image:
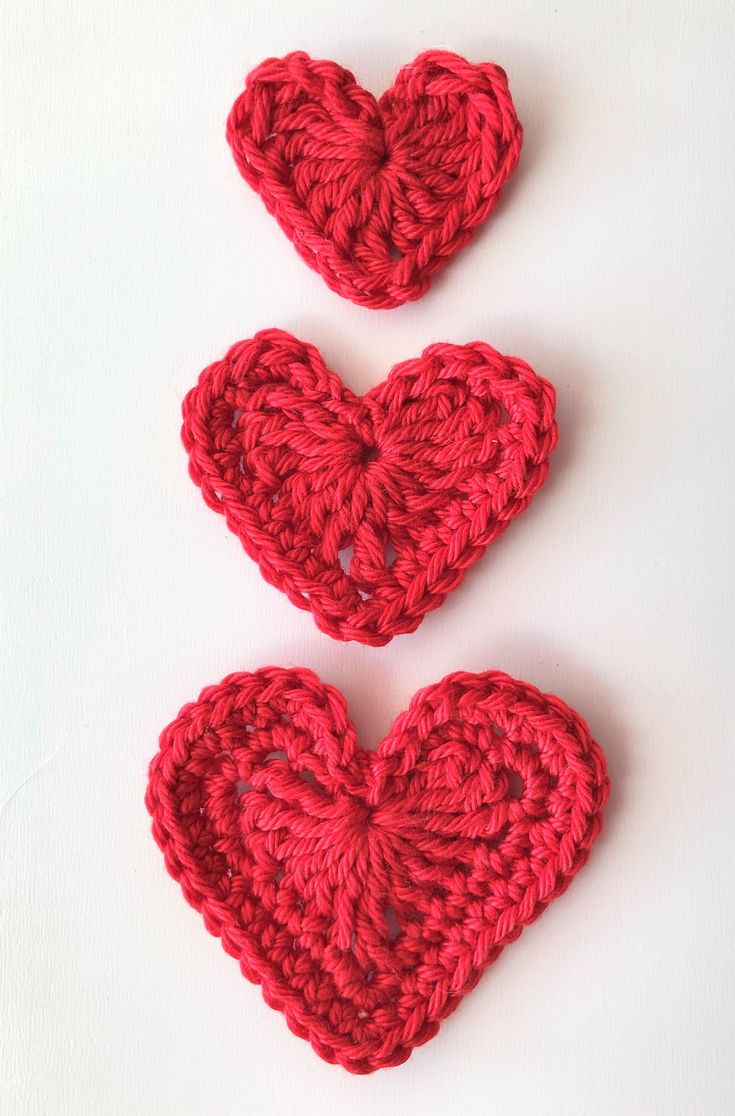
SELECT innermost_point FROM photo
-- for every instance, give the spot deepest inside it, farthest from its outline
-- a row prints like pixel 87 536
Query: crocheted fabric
pixel 376 195
pixel 367 510
pixel 367 891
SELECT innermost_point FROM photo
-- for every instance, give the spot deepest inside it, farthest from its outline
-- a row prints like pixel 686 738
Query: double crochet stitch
pixel 376 195
pixel 367 891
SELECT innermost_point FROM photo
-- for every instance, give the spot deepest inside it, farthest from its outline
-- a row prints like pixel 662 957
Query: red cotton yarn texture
pixel 367 510
pixel 368 891
pixel 376 195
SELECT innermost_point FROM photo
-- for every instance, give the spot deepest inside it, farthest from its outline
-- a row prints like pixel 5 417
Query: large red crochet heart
pixel 376 195
pixel 367 510
pixel 368 891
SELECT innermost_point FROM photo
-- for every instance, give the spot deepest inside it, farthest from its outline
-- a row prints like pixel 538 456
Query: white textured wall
pixel 133 255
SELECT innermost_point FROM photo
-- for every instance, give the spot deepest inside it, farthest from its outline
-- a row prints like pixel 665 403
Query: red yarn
pixel 367 510
pixel 376 195
pixel 367 891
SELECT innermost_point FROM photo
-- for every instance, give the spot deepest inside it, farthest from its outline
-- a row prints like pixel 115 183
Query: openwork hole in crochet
pixel 368 891
pixel 376 195
pixel 368 510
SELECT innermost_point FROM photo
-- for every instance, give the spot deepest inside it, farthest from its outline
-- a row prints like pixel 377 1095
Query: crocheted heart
pixel 367 510
pixel 376 195
pixel 367 891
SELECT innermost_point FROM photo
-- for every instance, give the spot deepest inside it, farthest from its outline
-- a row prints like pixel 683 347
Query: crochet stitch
pixel 367 510
pixel 376 195
pixel 367 891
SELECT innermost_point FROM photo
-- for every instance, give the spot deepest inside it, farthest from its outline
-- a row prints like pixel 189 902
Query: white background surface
pixel 133 256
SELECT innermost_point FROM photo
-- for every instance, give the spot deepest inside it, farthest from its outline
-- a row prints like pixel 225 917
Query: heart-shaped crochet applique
pixel 367 510
pixel 376 195
pixel 367 891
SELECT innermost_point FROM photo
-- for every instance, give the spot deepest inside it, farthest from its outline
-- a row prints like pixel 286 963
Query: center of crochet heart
pixel 368 454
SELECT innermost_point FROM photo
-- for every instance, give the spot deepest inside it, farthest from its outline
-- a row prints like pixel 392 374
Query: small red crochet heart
pixel 376 195
pixel 367 510
pixel 367 891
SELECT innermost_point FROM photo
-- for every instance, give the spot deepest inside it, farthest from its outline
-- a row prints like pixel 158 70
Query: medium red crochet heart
pixel 367 510
pixel 367 891
pixel 376 195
